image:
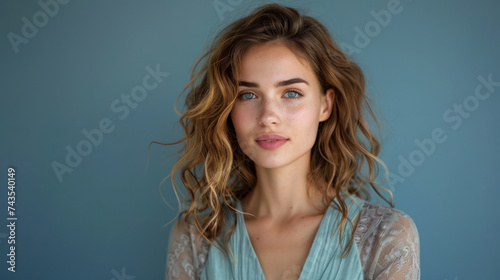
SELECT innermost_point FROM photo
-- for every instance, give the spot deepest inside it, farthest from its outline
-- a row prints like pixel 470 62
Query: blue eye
pixel 293 94
pixel 247 95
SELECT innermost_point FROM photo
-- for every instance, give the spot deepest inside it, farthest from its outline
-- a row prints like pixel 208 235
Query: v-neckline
pixel 312 251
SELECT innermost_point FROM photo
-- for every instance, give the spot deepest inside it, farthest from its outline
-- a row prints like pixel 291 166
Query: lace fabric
pixel 387 241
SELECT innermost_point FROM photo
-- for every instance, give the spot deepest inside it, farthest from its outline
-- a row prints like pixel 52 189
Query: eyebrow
pixel 278 84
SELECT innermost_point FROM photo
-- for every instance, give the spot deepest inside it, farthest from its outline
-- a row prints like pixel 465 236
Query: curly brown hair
pixel 215 174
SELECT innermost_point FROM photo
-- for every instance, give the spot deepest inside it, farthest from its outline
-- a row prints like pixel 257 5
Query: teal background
pixel 105 219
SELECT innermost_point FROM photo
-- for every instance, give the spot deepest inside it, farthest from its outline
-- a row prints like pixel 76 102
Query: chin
pixel 269 164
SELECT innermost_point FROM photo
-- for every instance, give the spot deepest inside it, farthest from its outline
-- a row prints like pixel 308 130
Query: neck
pixel 281 194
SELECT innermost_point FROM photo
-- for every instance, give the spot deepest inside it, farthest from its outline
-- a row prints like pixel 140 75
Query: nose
pixel 269 113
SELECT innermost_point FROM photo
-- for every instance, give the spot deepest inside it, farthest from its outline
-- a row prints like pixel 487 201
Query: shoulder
pixel 384 219
pixel 388 242
pixel 186 252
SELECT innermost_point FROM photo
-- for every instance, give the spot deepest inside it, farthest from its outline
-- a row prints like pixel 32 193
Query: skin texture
pixel 282 222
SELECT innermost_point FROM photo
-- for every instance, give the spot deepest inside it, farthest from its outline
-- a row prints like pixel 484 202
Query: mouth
pixel 270 137
pixel 271 141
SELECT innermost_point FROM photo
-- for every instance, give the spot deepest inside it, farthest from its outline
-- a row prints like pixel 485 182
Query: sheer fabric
pixel 386 239
pixel 321 262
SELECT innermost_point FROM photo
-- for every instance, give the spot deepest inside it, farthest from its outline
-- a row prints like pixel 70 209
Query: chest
pixel 282 251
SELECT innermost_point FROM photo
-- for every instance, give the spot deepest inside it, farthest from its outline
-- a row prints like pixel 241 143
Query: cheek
pixel 305 120
pixel 241 119
pixel 235 117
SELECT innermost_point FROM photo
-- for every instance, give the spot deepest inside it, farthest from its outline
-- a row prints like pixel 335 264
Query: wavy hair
pixel 216 173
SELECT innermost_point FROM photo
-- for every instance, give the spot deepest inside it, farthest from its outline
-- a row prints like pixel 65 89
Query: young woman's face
pixel 279 107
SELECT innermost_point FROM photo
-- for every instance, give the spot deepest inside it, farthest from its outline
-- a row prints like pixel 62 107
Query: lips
pixel 270 141
pixel 265 137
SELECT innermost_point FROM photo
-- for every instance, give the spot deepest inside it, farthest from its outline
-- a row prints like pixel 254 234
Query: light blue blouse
pixel 323 260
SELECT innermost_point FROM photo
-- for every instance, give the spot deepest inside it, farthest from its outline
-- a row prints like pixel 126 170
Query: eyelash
pixel 300 94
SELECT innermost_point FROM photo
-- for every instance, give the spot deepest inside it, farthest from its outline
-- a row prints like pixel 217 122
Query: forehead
pixel 273 60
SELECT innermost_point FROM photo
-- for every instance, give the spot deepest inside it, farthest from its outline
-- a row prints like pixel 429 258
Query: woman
pixel 278 162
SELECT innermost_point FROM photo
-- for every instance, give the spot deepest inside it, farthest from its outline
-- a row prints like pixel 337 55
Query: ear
pixel 326 104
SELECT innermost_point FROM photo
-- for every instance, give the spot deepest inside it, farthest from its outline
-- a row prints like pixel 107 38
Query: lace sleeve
pixel 390 247
pixel 186 253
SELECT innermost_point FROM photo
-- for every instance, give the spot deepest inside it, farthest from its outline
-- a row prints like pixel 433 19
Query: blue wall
pixel 73 72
